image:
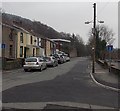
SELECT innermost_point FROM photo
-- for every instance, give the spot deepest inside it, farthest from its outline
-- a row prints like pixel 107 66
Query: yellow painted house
pixel 50 47
pixel 17 44
pixel 27 45
pixel 48 51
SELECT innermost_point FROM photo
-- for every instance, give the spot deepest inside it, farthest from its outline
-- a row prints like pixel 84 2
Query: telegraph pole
pixel 94 38
pixel 94 34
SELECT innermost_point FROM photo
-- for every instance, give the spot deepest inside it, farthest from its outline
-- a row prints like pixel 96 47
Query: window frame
pixel 31 39
pixel 21 51
pixel 21 37
pixel 11 50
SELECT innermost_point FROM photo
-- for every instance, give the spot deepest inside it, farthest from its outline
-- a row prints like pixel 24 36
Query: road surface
pixel 69 82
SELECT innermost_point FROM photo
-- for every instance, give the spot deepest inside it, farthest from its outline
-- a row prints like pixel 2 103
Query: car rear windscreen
pixel 31 60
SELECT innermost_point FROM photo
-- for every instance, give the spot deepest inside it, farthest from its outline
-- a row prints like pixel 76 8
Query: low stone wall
pixel 12 64
pixel 105 65
pixel 115 70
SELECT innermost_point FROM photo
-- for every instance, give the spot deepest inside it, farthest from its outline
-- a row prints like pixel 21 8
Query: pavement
pixel 105 78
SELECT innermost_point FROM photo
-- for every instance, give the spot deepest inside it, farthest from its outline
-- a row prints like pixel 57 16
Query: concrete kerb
pixel 114 69
pixel 42 105
pixel 103 85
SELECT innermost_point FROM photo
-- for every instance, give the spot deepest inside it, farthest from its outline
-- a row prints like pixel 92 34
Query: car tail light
pixel 37 63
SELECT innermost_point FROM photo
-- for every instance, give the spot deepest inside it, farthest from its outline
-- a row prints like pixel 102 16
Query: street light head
pixel 101 21
pixel 87 22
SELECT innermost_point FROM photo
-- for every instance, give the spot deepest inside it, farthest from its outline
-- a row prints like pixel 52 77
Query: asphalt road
pixel 69 82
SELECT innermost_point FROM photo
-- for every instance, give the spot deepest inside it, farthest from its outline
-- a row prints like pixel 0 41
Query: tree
pixel 78 43
pixel 104 35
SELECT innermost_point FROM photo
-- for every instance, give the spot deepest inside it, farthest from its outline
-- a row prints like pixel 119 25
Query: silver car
pixel 67 58
pixel 59 57
pixel 51 61
pixel 34 63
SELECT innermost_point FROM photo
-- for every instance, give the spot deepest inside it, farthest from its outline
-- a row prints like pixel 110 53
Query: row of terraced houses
pixel 17 44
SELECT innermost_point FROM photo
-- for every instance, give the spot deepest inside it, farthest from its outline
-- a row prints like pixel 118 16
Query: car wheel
pixel 46 67
pixel 26 70
pixel 53 64
pixel 40 68
pixel 56 64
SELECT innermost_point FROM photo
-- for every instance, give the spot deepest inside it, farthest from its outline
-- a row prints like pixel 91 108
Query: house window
pixel 11 34
pixel 43 43
pixel 21 51
pixel 11 49
pixel 51 45
pixel 33 52
pixel 21 37
pixel 37 41
pixel 31 40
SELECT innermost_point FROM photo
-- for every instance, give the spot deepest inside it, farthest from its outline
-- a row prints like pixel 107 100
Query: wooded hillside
pixel 35 27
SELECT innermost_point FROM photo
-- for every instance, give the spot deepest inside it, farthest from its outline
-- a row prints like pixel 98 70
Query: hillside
pixel 35 27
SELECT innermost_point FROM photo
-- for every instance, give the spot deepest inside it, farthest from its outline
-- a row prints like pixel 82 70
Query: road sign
pixel 2 46
pixel 109 48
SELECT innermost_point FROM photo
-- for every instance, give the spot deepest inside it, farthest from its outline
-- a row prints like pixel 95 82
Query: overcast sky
pixel 67 17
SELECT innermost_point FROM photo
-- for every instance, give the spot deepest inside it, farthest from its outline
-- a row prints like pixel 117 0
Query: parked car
pixel 67 57
pixel 59 57
pixel 64 56
pixel 51 61
pixel 34 63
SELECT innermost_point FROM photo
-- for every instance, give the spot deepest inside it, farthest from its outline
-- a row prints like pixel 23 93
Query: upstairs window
pixel 43 43
pixel 21 37
pixel 31 40
pixel 11 49
pixel 37 41
pixel 11 34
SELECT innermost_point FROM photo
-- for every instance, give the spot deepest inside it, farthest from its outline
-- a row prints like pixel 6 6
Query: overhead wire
pixel 102 9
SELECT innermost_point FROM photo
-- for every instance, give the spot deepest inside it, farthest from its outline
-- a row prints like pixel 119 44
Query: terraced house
pixel 27 45
pixel 9 38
